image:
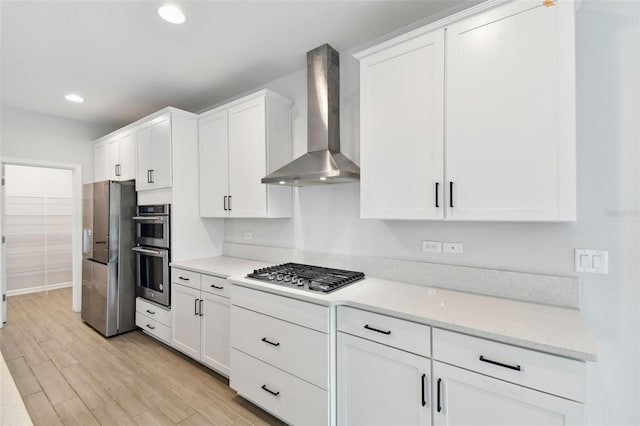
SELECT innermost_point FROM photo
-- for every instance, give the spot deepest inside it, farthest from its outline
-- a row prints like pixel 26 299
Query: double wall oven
pixel 152 253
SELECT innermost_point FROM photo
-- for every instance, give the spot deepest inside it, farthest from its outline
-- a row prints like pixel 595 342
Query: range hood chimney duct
pixel 323 163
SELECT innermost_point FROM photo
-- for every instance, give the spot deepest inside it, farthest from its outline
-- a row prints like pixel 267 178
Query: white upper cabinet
pixel 113 158
pixel 120 156
pixel 510 149
pixel 153 146
pixel 402 112
pixel 100 161
pixel 480 109
pixel 239 144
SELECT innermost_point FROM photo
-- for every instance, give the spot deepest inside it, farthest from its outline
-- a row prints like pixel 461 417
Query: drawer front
pixel 150 310
pixel 184 277
pixel 215 285
pixel 295 401
pixel 153 327
pixel 401 334
pixel 297 350
pixel 306 314
pixel 548 373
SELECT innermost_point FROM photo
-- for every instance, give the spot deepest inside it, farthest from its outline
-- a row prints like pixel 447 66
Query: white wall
pixel 35 136
pixel 326 218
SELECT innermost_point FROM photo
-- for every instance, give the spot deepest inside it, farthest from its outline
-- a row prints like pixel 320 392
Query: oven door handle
pixel 149 218
pixel 155 253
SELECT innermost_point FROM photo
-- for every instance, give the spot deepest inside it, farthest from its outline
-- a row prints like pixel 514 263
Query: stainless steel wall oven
pixel 153 281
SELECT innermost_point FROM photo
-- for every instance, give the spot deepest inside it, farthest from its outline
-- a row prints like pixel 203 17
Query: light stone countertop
pixel 555 330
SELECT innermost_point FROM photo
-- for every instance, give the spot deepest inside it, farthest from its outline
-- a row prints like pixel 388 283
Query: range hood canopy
pixel 323 163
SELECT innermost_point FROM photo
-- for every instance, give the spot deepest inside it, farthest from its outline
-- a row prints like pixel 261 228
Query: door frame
pixel 76 220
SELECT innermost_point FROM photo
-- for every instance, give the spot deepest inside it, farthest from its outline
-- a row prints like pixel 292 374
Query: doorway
pixel 41 220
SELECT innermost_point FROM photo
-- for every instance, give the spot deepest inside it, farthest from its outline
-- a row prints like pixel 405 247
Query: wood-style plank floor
pixel 69 374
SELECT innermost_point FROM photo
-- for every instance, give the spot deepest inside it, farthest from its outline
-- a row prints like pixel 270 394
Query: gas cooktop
pixel 306 277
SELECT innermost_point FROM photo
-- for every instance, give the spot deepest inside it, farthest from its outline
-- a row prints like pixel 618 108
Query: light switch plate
pixel 248 236
pixel 432 246
pixel 592 261
pixel 452 248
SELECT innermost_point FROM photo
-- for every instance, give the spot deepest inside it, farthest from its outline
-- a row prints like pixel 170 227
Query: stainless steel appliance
pixel 108 268
pixel 153 234
pixel 307 277
pixel 323 163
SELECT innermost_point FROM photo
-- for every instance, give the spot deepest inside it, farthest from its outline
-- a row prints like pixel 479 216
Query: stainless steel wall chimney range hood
pixel 323 163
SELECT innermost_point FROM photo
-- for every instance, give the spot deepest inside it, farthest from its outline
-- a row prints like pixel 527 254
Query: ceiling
pixel 127 62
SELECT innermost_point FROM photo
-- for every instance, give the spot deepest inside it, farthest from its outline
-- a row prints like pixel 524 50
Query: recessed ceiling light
pixel 323 178
pixel 171 13
pixel 74 98
pixel 282 182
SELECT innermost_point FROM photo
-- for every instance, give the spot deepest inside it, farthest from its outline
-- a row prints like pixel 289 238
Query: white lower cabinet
pixel 280 355
pixel 200 324
pixel 464 397
pixel 153 319
pixel 381 385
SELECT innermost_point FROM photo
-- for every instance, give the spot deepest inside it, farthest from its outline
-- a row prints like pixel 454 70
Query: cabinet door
pixel 214 165
pixel 185 325
pixel 144 159
pixel 215 332
pixel 247 159
pixel 161 152
pixel 402 125
pixel 468 398
pixel 113 158
pixel 381 385
pixel 127 169
pixel 100 161
pixel 510 150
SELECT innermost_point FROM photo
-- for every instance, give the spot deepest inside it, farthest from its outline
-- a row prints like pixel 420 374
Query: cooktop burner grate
pixel 306 277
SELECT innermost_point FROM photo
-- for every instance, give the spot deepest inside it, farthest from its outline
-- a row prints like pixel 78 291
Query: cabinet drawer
pixel 295 401
pixel 184 277
pixel 215 285
pixel 401 334
pixel 306 314
pixel 153 327
pixel 297 350
pixel 548 373
pixel 150 310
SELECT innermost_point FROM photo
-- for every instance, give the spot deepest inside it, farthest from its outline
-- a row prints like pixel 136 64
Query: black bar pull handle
pixel 229 202
pixel 148 176
pixel 264 387
pixel 450 194
pixel 437 197
pixel 439 406
pixel 151 312
pixel 264 339
pixel 150 327
pixel 201 313
pixel 501 364
pixel 217 287
pixel 153 176
pixel 184 278
pixel 368 327
pixel 424 400
pixel 195 307
pixel 224 203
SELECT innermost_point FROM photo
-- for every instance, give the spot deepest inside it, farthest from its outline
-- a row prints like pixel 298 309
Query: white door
pixel 113 158
pixel 144 158
pixel 100 161
pixel 380 385
pixel 247 159
pixel 214 165
pixel 127 164
pixel 3 254
pixel 161 151
pixel 510 148
pixel 402 130
pixel 185 323
pixel 215 332
pixel 462 397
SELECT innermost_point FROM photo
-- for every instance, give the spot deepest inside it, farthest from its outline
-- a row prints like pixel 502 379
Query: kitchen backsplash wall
pixel 326 218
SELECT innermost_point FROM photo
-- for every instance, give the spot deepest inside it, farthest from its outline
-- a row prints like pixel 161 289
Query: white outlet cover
pixel 592 261
pixel 432 246
pixel 248 236
pixel 452 248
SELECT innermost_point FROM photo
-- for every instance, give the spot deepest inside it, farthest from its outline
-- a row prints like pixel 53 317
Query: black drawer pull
pixel 151 312
pixel 424 401
pixel 264 339
pixel 184 278
pixel 501 364
pixel 217 287
pixel 437 202
pixel 264 387
pixel 150 327
pixel 387 332
pixel 450 194
pixel 438 398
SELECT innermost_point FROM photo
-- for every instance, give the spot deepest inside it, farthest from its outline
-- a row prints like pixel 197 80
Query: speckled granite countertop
pixel 551 329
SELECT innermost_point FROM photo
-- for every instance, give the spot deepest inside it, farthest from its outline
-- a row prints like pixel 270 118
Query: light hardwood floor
pixel 69 374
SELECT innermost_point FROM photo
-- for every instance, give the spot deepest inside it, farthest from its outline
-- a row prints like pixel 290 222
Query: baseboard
pixel 37 289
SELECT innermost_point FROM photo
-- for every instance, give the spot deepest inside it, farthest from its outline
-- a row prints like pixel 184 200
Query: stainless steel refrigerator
pixel 108 264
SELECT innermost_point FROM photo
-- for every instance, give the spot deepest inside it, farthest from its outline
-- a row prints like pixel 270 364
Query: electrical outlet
pixel 248 236
pixel 592 261
pixel 452 248
pixel 432 246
